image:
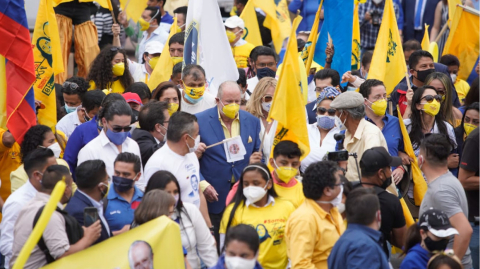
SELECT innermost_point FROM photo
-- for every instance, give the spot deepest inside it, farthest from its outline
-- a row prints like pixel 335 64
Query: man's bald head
pixel 230 87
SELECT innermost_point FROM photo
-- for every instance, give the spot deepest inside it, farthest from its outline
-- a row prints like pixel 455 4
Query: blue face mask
pixel 265 72
pixel 70 109
pixel 325 122
pixel 191 100
pixel 122 184
pixel 351 89
pixel 116 138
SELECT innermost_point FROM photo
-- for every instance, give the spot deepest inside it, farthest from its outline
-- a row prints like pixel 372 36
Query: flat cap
pixel 348 99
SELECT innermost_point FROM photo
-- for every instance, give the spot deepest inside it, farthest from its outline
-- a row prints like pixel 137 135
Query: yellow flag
pixel 252 30
pixel 133 8
pixel 163 69
pixel 463 40
pixel 48 62
pixel 452 5
pixel 277 20
pixel 309 49
pixel 356 40
pixel 419 183
pixel 288 107
pixel 426 39
pixel 388 62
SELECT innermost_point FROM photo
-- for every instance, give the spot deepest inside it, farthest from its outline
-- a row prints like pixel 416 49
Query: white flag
pixel 206 43
pixel 234 149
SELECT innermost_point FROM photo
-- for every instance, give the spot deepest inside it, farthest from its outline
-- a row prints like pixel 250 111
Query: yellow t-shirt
pixel 270 224
pixel 9 161
pixel 241 54
pixel 293 194
pixel 462 88
pixel 115 87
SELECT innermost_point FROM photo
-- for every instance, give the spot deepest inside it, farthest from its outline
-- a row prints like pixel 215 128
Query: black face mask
pixel 432 245
pixel 422 75
pixel 387 182
pixel 265 72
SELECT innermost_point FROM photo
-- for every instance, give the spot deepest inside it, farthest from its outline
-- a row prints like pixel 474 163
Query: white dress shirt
pixel 68 123
pixel 208 101
pixel 317 152
pixel 159 35
pixel 99 207
pixel 11 209
pixel 138 71
pixel 268 139
pixel 101 148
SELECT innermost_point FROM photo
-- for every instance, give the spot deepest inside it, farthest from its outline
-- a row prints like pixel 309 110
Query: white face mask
pixel 197 142
pixel 341 208
pixel 165 134
pixel 339 123
pixel 55 147
pixel 239 263
pixel 337 200
pixel 254 193
pixel 266 106
pixel 454 77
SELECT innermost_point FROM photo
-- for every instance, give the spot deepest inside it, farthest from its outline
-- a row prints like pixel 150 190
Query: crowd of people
pixel 133 155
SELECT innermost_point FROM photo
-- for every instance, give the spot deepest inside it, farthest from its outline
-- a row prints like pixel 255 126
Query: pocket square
pixel 249 139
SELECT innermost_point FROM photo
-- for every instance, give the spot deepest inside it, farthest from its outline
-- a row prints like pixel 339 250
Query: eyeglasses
pixel 322 110
pixel 71 85
pixel 430 98
pixel 263 65
pixel 267 98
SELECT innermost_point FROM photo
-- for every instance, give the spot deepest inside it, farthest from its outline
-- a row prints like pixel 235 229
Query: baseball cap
pixel 377 158
pixel 437 223
pixel 347 100
pixel 234 22
pixel 131 97
pixel 154 47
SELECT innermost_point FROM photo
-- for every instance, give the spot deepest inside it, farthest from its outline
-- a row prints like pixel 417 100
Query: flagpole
pixel 308 64
pixel 111 11
pixel 441 33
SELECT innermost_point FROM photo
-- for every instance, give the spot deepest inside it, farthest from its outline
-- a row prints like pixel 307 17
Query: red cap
pixel 131 97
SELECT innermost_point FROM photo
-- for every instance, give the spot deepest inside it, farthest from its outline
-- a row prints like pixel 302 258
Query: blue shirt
pixel 167 18
pixel 416 258
pixel 358 247
pixel 119 212
pixel 392 133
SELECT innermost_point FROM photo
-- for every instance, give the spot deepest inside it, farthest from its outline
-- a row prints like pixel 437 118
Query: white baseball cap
pixel 234 22
pixel 154 47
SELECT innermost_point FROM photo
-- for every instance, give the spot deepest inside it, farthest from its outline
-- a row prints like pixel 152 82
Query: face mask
pixel 422 75
pixel 454 77
pixel 164 135
pixel 337 200
pixel 432 108
pixel 144 25
pixel 435 245
pixel 70 109
pixel 55 147
pixel 194 93
pixel 378 107
pixel 231 36
pixel 104 193
pixel 153 62
pixel 239 263
pixel 177 60
pixel 122 184
pixel 341 208
pixel 351 89
pixel 86 117
pixel 118 69
pixel 469 128
pixel 266 106
pixel 285 173
pixel 387 182
pixel 116 138
pixel 230 110
pixel 339 123
pixel 197 142
pixel 325 122
pixel 254 193
pixel 176 196
pixel 172 108
pixel 420 161
pixel 265 72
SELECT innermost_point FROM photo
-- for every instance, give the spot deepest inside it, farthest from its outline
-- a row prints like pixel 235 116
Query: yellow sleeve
pixel 203 185
pixel 18 178
pixel 300 235
pixel 225 217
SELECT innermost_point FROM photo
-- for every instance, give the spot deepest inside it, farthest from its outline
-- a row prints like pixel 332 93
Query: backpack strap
pixel 41 243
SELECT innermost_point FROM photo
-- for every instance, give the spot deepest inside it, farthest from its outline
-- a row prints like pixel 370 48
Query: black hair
pixel 367 57
pixel 287 148
pixel 328 73
pixel 244 2
pixel 362 206
pixel 450 60
pixel 262 51
pixel 141 89
pixel 317 177
pixel 437 148
pixel 80 89
pixel 242 77
pixel 177 38
pixel 180 123
pixel 442 259
pixel 117 107
pixel 366 87
pixel 412 237
pixel 128 157
pixel 243 233
pixel 460 130
pixel 347 185
pixel 151 114
pixel 473 94
pixel 416 56
pixel 36 160
pixel 154 12
pixel 54 174
pixel 181 10
pixel 33 139
pixel 300 44
pixel 162 87
pixel 240 198
pixel 92 100
pixel 89 174
pixel 177 69
pixel 193 70
pixel 101 69
pixel 416 118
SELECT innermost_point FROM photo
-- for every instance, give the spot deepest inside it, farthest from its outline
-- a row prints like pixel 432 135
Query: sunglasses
pixel 115 48
pixel 267 98
pixel 322 110
pixel 118 129
pixel 430 98
pixel 71 85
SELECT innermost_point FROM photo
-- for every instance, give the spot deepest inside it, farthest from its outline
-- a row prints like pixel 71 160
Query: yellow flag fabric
pixel 419 183
pixel 3 93
pixel 406 212
pixel 288 107
pixel 161 234
pixel 426 39
pixel 102 3
pixel 48 62
pixel 388 62
pixel 303 77
pixel 463 40
pixel 277 20
pixel 252 30
pixel 312 40
pixel 163 69
pixel 133 8
pixel 356 40
pixel 452 5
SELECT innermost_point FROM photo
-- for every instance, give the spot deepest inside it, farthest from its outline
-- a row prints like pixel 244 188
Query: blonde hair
pixel 254 104
pixel 155 203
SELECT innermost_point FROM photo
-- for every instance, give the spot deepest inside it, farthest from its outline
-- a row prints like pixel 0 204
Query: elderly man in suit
pixel 216 124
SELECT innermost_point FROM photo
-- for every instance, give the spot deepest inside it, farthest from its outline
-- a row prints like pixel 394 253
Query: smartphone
pixel 90 215
pixel 338 156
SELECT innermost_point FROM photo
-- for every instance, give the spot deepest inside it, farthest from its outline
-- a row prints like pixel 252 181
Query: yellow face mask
pixel 230 110
pixel 177 60
pixel 285 173
pixel 144 25
pixel 231 36
pixel 379 107
pixel 118 69
pixel 153 62
pixel 432 108
pixel 468 128
pixel 172 108
pixel 194 93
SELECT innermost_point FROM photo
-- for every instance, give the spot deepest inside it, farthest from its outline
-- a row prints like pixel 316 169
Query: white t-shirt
pixel 138 71
pixel 208 101
pixel 68 123
pixel 186 170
